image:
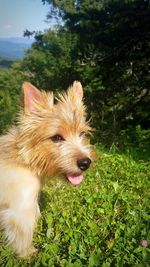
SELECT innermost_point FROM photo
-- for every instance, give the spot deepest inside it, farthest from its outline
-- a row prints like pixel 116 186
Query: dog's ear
pixel 76 91
pixel 31 96
pixel 77 88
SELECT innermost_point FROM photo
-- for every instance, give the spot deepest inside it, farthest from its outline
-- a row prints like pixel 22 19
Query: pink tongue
pixel 75 179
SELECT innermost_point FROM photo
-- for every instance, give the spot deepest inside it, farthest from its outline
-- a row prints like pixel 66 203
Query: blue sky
pixel 18 15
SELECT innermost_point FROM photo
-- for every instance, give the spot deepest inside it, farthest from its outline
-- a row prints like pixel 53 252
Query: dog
pixel 48 138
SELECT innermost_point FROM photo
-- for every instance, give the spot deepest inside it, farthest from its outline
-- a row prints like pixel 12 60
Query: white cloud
pixel 8 26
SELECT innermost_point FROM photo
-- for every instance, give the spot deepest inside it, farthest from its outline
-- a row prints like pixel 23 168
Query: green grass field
pixel 105 221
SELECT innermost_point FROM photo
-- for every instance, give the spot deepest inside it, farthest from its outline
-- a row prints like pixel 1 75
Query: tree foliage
pixel 105 44
pixel 10 93
pixel 51 61
pixel 113 36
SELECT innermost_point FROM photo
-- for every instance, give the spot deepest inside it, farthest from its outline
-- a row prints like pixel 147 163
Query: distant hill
pixel 14 47
pixel 7 62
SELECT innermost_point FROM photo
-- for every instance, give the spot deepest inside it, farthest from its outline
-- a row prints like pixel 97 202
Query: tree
pixel 10 91
pixel 113 40
pixel 51 62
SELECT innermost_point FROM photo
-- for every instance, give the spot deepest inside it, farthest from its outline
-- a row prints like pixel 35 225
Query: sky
pixel 19 15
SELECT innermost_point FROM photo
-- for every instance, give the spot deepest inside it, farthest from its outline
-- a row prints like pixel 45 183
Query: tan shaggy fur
pixel 48 138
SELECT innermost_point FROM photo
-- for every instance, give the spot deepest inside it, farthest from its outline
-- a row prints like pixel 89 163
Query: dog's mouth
pixel 75 179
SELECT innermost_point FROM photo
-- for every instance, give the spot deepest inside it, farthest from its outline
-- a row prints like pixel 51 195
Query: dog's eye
pixel 82 133
pixel 85 134
pixel 57 138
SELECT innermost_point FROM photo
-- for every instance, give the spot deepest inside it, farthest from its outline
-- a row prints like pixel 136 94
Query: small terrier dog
pixel 48 138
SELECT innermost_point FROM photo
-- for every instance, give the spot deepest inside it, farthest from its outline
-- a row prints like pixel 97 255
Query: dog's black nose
pixel 83 163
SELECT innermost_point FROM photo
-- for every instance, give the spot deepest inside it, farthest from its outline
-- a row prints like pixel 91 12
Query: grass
pixel 102 222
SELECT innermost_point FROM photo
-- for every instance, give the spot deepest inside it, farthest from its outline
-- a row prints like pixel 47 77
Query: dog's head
pixel 54 137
